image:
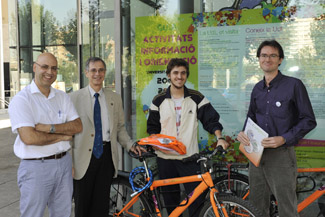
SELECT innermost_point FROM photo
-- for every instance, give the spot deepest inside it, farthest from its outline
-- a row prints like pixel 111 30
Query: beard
pixel 177 86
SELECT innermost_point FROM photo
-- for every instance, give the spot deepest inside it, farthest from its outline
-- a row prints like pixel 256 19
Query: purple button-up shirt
pixel 283 108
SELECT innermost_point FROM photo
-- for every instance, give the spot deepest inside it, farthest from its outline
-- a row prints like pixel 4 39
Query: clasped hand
pixel 270 142
pixel 223 143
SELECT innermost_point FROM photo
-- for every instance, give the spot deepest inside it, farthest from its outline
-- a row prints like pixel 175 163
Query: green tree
pixel 68 35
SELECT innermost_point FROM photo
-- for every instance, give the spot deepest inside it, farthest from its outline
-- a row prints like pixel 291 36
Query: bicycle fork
pixel 216 205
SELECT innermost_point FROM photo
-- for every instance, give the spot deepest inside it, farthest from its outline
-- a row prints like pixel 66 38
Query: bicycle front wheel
pixel 120 196
pixel 234 206
pixel 237 184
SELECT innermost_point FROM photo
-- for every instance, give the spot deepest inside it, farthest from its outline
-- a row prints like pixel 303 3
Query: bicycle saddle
pixel 150 153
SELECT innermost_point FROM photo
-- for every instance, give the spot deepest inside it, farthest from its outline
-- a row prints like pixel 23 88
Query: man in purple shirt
pixel 281 106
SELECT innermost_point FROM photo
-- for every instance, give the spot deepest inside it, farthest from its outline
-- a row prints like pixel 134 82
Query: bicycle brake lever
pixel 202 159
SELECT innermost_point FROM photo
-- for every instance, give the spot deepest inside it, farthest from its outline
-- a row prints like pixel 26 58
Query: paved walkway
pixel 9 196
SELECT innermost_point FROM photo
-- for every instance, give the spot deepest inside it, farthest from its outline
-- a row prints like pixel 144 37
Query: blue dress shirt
pixel 282 109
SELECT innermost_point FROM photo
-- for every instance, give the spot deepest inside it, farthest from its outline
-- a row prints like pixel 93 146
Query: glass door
pixel 97 36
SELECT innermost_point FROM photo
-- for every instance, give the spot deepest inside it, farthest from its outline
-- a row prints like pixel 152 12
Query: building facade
pixel 74 30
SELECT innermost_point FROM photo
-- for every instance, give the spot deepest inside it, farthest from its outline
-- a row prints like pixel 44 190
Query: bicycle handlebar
pixel 197 156
pixel 151 153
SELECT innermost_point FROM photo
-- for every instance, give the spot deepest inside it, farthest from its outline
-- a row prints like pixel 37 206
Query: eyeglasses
pixel 271 56
pixel 46 67
pixel 94 70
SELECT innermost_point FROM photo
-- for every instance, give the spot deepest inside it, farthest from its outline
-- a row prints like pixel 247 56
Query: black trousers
pixel 92 192
pixel 176 168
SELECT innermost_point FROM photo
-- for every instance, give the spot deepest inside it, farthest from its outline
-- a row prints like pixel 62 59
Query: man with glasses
pixel 45 120
pixel 280 105
pixel 95 150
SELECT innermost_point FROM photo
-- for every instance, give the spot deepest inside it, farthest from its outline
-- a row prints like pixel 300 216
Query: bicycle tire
pixel 238 184
pixel 120 196
pixel 234 206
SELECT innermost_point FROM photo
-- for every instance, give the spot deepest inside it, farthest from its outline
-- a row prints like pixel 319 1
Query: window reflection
pixel 97 29
pixel 44 26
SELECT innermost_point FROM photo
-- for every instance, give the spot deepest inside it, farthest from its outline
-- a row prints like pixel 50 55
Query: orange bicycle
pixel 237 183
pixel 145 201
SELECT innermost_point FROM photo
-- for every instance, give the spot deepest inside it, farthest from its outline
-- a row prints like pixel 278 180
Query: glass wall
pixel 132 10
pixel 168 8
pixel 13 45
pixel 43 26
pixel 97 36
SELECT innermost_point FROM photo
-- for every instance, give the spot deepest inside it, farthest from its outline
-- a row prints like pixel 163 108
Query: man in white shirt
pixel 45 120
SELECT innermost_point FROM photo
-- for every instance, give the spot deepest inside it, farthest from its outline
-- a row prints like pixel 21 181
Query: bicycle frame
pixel 311 198
pixel 205 182
pixel 314 196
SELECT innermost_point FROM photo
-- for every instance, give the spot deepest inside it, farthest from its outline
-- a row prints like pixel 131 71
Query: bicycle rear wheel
pixel 121 194
pixel 235 207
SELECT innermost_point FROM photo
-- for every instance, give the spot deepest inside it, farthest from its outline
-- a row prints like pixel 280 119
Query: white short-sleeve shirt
pixel 30 107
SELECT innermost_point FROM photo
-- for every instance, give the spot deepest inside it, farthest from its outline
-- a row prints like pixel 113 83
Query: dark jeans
pixel 176 168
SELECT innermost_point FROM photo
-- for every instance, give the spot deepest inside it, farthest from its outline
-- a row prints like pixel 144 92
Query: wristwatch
pixel 52 129
pixel 222 138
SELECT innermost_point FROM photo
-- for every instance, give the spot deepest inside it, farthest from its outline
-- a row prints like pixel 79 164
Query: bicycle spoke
pixel 234 206
pixel 120 196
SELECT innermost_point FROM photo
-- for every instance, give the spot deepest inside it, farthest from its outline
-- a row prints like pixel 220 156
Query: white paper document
pixel 255 134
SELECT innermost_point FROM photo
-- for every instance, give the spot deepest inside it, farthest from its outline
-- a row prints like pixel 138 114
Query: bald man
pixel 45 120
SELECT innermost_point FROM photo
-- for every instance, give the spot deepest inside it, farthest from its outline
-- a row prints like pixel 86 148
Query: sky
pixel 59 8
